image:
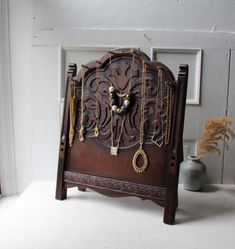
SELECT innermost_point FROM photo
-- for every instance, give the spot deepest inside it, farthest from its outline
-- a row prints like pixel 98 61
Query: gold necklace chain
pixel 96 102
pixel 142 105
pixel 81 130
pixel 73 90
pixel 167 123
pixel 158 141
pixel 169 113
pixel 140 151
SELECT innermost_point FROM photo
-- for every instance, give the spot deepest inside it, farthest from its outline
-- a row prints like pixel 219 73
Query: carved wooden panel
pixel 125 76
pixel 97 101
pixel 146 191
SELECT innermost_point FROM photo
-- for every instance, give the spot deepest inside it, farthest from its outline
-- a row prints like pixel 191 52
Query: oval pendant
pixel 97 131
pixel 140 169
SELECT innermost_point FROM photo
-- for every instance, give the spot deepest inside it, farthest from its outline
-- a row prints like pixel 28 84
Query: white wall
pixel 187 15
pixel 59 25
pixel 20 36
pixel 7 141
pixel 45 120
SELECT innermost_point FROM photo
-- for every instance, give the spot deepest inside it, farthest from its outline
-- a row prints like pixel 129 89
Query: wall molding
pixel 64 67
pixel 197 53
pixel 64 50
pixel 7 145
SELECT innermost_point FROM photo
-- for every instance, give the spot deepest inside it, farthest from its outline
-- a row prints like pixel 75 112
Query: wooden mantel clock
pixel 122 129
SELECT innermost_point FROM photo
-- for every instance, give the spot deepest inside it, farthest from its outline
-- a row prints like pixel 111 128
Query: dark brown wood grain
pixel 83 155
pixel 61 191
pixel 90 164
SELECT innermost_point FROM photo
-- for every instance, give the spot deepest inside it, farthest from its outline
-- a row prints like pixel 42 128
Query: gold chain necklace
pixel 165 124
pixel 169 112
pixel 96 102
pixel 159 141
pixel 140 151
pixel 81 130
pixel 73 89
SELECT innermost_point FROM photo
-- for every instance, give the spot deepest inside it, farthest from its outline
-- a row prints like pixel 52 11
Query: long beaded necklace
pixel 97 102
pixel 119 110
pixel 113 149
pixel 73 90
pixel 81 130
pixel 140 151
pixel 169 111
pixel 159 140
pixel 164 137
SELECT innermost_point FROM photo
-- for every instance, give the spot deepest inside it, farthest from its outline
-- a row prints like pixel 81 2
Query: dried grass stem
pixel 215 130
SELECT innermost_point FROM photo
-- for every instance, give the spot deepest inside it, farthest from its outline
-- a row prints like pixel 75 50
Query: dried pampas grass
pixel 214 130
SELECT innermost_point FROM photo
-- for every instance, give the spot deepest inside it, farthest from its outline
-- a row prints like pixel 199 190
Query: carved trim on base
pixel 125 187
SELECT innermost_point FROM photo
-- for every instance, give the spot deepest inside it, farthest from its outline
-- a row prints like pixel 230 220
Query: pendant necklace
pixel 81 130
pixel 114 149
pixel 119 110
pixel 114 95
pixel 140 151
pixel 96 102
pixel 169 110
pixel 159 141
pixel 73 90
pixel 165 124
